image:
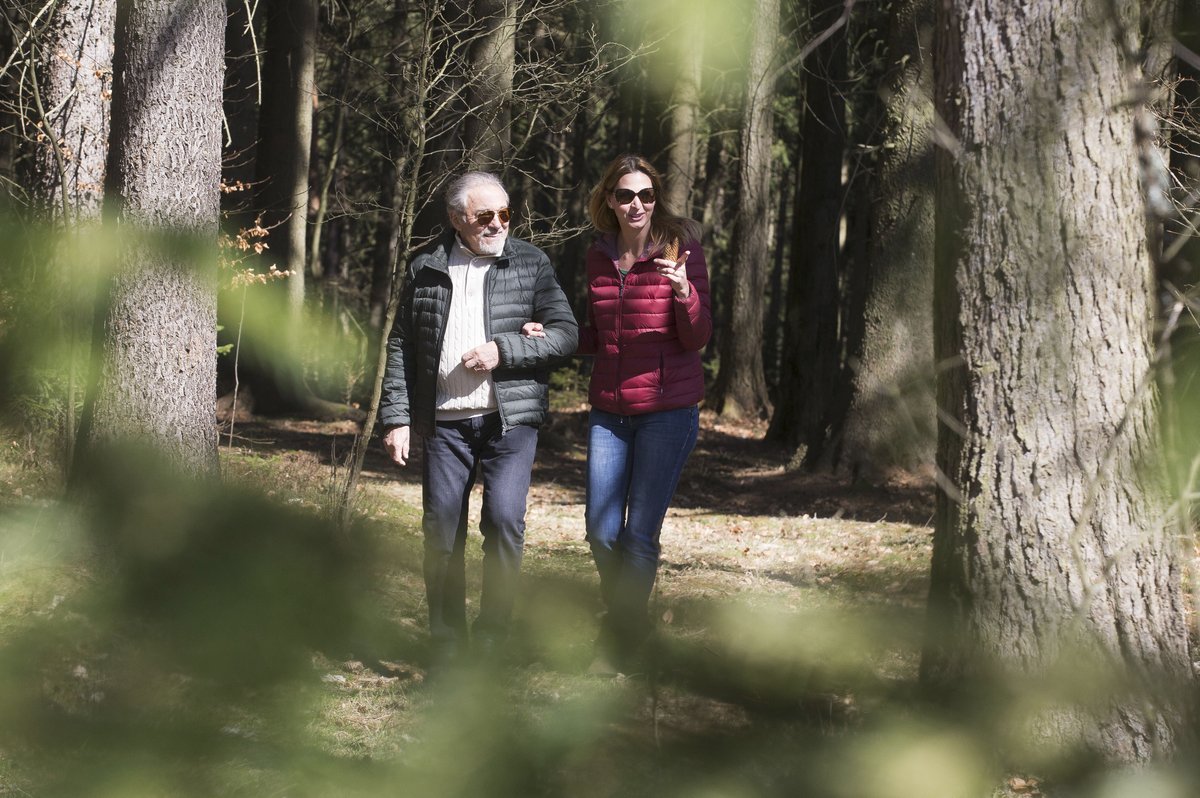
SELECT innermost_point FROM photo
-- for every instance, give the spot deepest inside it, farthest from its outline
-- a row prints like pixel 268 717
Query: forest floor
pixel 785 600
pixel 789 609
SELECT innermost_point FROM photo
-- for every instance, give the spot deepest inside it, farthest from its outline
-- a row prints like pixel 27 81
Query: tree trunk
pixel 1051 546
pixel 74 67
pixel 864 144
pixel 811 367
pixel 71 101
pixel 1179 265
pixel 741 390
pixel 1158 65
pixel 684 148
pixel 285 136
pixel 493 57
pixel 316 267
pixel 891 422
pixel 156 348
pixel 714 200
pixel 775 323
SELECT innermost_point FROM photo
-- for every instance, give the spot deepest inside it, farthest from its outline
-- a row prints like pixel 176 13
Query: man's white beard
pixel 491 246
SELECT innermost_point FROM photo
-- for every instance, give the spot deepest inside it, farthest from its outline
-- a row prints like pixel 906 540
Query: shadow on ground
pixel 732 471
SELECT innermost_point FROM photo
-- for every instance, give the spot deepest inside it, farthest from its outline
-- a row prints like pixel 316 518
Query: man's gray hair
pixel 460 187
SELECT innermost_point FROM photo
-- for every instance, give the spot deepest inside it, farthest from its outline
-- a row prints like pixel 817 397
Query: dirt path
pixel 738 515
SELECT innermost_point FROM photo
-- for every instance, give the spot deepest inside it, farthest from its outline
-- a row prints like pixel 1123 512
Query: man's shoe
pixel 487 650
pixel 443 658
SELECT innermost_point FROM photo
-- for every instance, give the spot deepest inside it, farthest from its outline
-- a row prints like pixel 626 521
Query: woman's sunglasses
pixel 484 218
pixel 624 196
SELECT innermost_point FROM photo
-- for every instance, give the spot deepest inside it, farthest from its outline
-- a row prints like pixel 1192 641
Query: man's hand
pixel 484 357
pixel 396 442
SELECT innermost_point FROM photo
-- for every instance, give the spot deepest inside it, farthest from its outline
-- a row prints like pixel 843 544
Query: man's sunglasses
pixel 484 218
pixel 624 196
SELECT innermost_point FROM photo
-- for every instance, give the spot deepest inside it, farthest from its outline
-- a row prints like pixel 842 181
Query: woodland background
pixel 951 243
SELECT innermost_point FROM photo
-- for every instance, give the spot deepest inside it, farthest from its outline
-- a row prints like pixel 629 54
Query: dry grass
pixel 788 609
pixel 751 582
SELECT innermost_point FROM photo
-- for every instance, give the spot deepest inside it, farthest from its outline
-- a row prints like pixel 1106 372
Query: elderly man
pixel 461 376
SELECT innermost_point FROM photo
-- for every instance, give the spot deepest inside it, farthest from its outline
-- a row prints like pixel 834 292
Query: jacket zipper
pixel 488 280
pixel 620 331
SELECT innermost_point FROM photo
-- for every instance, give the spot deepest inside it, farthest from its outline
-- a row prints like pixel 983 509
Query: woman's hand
pixel 676 274
pixel 532 329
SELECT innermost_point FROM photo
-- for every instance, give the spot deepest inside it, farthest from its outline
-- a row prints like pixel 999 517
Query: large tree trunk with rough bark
pixel 809 377
pixel 891 423
pixel 74 70
pixel 1052 546
pixel 741 390
pixel 684 151
pixel 493 58
pixel 156 344
pixel 71 71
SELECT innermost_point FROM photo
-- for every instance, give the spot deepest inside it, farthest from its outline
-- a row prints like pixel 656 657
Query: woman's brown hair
pixel 665 223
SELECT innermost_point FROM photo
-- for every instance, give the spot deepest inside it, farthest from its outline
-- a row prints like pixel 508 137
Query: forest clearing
pixel 918 279
pixel 789 610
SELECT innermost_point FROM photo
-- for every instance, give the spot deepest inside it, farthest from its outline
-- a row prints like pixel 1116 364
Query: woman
pixel 648 320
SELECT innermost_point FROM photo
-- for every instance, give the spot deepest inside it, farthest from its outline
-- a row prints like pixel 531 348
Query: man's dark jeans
pixel 456 452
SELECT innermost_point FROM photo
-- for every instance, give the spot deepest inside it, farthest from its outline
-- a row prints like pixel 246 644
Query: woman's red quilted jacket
pixel 646 342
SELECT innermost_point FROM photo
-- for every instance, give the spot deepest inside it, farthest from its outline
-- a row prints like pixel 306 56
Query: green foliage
pixel 224 349
pixel 163 636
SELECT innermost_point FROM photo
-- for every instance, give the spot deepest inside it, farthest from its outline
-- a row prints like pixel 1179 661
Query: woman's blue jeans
pixel 633 467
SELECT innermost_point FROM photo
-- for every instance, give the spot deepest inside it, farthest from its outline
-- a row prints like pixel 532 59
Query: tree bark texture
pixel 813 351
pixel 714 199
pixel 774 327
pixel 1051 537
pixel 75 61
pixel 741 390
pixel 1179 264
pixel 892 419
pixel 157 345
pixel 493 58
pixel 317 259
pixel 684 149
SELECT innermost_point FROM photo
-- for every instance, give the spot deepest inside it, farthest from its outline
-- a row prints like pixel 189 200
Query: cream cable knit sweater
pixel 462 393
